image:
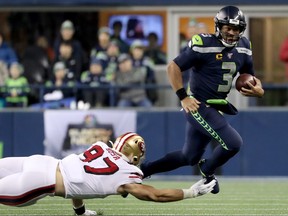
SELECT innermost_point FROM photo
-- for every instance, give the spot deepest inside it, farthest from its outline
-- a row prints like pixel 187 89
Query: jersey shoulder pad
pixel 245 43
pixel 201 40
pixel 197 40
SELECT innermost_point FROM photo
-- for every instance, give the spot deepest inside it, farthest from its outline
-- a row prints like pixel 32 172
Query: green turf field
pixel 238 196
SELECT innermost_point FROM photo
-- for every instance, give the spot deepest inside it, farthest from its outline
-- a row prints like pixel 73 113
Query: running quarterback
pixel 216 59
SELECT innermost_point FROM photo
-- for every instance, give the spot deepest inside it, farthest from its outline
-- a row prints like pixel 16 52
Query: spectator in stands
pixel 72 61
pixel 284 55
pixel 153 50
pixel 7 57
pixel 67 32
pixel 4 73
pixel 137 52
pixel 102 42
pixel 116 35
pixel 16 87
pixel 132 77
pixel 95 77
pixel 7 53
pixel 145 63
pixel 109 60
pixel 37 59
pixel 43 43
pixel 59 88
pixel 134 28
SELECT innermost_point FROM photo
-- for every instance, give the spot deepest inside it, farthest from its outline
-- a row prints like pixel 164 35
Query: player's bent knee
pixel 235 144
pixel 234 151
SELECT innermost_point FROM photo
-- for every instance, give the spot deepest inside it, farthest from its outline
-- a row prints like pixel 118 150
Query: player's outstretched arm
pixel 149 193
pixel 79 208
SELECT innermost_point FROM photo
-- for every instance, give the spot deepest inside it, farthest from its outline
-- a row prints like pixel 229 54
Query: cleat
pixel 216 188
pixel 209 178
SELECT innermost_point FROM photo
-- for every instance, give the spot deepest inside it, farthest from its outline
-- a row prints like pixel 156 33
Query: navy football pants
pixel 201 127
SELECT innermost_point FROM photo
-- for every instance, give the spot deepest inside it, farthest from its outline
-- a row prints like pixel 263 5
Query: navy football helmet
pixel 232 16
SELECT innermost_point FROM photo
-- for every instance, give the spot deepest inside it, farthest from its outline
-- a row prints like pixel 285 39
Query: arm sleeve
pixel 248 66
pixel 185 59
pixel 188 57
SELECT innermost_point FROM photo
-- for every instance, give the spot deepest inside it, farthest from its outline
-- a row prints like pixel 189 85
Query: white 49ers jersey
pixel 97 172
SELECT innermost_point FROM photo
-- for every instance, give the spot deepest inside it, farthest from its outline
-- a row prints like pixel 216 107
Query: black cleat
pixel 209 178
pixel 216 188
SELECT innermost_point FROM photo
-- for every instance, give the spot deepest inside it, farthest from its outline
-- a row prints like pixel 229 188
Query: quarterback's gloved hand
pixel 199 189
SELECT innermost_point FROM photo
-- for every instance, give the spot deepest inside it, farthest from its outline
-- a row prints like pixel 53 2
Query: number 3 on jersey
pixel 96 152
pixel 228 77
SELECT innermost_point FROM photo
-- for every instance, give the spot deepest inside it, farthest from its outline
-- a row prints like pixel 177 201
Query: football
pixel 242 80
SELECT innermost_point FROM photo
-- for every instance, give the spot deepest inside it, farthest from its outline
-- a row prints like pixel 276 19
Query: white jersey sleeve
pixel 97 173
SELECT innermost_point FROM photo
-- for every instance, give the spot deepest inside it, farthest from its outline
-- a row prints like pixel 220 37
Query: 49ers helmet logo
pixel 142 146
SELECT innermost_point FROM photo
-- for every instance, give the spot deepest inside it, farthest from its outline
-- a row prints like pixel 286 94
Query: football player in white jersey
pixel 98 172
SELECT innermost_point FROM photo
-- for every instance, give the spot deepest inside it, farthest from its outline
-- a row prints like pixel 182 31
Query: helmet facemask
pixel 132 148
pixel 227 39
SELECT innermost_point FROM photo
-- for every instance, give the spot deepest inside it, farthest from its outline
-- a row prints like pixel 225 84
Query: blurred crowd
pixel 75 79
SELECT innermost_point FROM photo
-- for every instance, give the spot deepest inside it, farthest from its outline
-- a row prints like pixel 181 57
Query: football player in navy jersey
pixel 215 59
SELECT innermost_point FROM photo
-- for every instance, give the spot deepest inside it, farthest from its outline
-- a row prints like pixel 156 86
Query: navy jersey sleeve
pixel 185 59
pixel 248 65
pixel 188 58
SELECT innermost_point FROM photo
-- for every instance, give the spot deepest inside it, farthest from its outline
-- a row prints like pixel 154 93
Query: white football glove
pixel 199 189
pixel 89 213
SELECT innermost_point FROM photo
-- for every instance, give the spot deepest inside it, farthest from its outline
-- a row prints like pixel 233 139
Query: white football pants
pixel 24 180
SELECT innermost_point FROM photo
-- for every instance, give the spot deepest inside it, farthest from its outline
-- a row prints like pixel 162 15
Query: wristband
pixel 181 93
pixel 187 193
pixel 80 210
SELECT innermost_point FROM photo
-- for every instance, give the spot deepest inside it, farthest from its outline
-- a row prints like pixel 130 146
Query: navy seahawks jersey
pixel 213 65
